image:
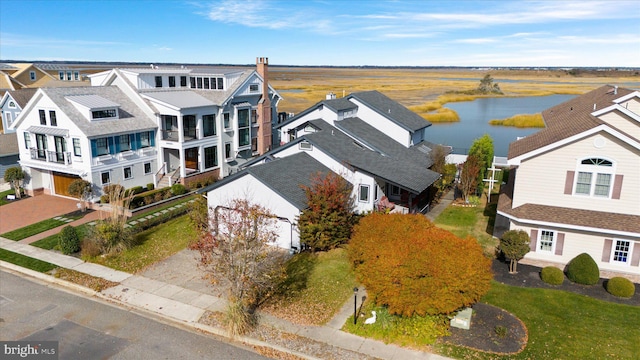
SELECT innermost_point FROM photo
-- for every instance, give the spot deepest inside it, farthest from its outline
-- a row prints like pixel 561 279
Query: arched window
pixel 595 177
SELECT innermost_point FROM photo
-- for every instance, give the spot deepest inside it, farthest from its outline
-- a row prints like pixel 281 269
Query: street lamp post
pixel 355 305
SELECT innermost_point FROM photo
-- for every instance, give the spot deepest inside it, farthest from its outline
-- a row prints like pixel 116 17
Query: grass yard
pixel 33 229
pixel 50 242
pixel 317 287
pixel 151 246
pixel 564 325
pixel 25 261
pixel 476 222
pixel 3 196
pixel 144 213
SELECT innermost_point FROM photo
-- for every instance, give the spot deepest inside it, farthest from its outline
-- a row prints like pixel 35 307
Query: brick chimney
pixel 264 107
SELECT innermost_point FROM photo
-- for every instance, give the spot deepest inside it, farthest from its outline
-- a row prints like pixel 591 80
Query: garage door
pixel 61 183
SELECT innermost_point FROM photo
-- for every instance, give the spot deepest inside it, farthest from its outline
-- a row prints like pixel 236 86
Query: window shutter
pixel 112 148
pixel 152 137
pixel 132 141
pixel 117 140
pixel 617 187
pixel 138 141
pixel 94 148
pixel 606 250
pixel 635 258
pixel 568 183
pixel 534 240
pixel 559 243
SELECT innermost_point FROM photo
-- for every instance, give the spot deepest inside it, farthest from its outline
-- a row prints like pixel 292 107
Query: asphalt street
pixel 91 329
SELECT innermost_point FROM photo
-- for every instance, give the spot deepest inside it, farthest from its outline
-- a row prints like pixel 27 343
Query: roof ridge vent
pixel 594 106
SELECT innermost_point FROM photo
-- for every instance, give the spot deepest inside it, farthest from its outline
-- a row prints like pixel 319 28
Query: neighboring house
pixel 385 172
pixel 8 153
pixel 575 185
pixel 11 104
pixel 27 74
pixel 95 133
pixel 209 120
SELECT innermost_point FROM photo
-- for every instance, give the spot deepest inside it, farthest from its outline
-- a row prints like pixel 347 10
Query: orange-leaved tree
pixel 329 218
pixel 416 268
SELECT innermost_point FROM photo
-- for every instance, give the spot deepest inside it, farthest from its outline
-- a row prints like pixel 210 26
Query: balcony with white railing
pixel 124 155
pixel 59 157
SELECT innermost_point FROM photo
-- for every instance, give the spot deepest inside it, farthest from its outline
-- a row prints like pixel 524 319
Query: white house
pixel 575 186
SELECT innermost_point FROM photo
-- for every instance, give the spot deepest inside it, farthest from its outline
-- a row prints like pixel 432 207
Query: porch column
pixel 181 136
pixel 183 170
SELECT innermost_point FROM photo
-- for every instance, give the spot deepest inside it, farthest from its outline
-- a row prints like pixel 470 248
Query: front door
pixel 191 158
pixel 41 143
pixel 61 148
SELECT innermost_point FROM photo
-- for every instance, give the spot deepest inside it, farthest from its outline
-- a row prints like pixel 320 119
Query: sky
pixel 325 32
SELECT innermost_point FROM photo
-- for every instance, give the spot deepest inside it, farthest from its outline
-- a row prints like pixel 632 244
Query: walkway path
pixel 445 201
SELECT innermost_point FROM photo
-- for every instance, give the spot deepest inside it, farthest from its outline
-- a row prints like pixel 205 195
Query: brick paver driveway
pixel 31 210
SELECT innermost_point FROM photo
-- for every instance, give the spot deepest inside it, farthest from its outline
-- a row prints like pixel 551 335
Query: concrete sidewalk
pixel 186 306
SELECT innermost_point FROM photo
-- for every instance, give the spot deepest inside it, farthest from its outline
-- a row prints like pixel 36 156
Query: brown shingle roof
pixel 22 96
pixel 567 119
pixel 8 144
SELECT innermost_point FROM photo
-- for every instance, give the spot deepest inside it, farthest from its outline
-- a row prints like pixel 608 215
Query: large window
pixel 621 251
pixel 172 81
pixel 125 142
pixel 363 195
pixel 52 118
pixel 594 178
pixel 76 147
pixel 210 157
pixel 102 146
pixel 43 117
pixel 103 114
pixel 158 81
pixel 209 124
pixel 183 81
pixel 226 120
pixel 546 240
pixel 27 140
pixel 145 139
pixel 244 132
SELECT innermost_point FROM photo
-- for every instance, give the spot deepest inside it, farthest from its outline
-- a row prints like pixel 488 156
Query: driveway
pixel 33 209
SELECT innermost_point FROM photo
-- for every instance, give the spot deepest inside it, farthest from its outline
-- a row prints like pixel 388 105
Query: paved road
pixel 89 329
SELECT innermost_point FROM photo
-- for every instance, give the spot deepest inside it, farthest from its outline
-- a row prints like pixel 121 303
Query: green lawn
pixel 3 196
pixel 158 209
pixel 152 245
pixel 563 325
pixel 317 287
pixel 32 229
pixel 51 241
pixel 25 261
pixel 476 222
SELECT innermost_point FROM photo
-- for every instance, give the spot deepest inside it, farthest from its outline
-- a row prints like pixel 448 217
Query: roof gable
pixel 391 109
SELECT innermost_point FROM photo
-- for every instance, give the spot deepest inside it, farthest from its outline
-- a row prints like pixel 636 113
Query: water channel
pixel 475 116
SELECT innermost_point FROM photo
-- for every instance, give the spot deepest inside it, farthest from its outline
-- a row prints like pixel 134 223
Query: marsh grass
pixel 521 121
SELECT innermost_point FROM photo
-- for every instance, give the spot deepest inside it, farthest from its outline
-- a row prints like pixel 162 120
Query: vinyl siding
pixel 622 122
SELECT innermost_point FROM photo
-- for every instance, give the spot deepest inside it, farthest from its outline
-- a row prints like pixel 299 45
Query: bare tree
pixel 240 251
pixel 469 176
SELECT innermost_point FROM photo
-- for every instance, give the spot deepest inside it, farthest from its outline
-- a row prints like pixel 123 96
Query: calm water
pixel 475 116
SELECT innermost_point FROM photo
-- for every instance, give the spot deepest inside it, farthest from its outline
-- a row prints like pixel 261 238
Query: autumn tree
pixel 240 253
pixel 328 220
pixel 514 244
pixel 416 268
pixel 482 147
pixel 469 176
pixel 199 214
pixel 14 176
pixel 82 190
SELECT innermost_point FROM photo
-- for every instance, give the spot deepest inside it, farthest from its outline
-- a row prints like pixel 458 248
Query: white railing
pixel 161 173
pixel 59 157
pixel 171 178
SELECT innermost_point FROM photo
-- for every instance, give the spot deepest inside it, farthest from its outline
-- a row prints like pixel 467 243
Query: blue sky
pixel 325 32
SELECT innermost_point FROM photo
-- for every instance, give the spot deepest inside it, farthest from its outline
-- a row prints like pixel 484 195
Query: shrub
pixel 148 197
pixel 109 190
pixel 620 287
pixel 150 186
pixel 583 270
pixel 552 275
pixel 68 240
pixel 414 267
pixel 514 245
pixel 110 236
pixel 134 190
pixel 178 189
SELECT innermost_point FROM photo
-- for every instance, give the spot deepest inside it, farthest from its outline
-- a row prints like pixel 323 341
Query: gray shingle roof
pixel 180 99
pixel 132 118
pixel 399 169
pixel 22 96
pixel 391 109
pixel 339 104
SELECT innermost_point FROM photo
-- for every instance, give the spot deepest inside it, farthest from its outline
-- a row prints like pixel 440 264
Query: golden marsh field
pixel 425 91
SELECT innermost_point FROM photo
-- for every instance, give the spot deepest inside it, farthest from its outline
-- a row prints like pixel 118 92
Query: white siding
pixel 383 124
pixel 632 104
pixel 541 179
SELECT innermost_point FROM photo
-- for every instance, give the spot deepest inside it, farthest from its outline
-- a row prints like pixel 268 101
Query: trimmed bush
pixel 68 240
pixel 178 189
pixel 552 275
pixel 582 269
pixel 620 287
pixel 149 197
pixel 150 186
pixel 134 190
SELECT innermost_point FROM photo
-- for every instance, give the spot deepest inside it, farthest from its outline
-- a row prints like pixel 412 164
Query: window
pixel 61 75
pixel 305 145
pixel 253 87
pixel 43 117
pixel 227 151
pixel 172 81
pixel 226 118
pixel 594 177
pixel 105 178
pixel 7 115
pixel 209 124
pixel 210 157
pixel 158 81
pixel 127 173
pixel 76 76
pixel 199 82
pixel 213 83
pixel 220 84
pixel 206 83
pixel 32 75
pixel 363 194
pixel 147 168
pixel 103 114
pixel 144 139
pixel 395 190
pixel 125 142
pixel 68 75
pixel 244 132
pixel 621 251
pixel 183 81
pixel 12 105
pixel 192 80
pixel 102 146
pixel 27 140
pixel 546 240
pixel 52 118
pixel 76 147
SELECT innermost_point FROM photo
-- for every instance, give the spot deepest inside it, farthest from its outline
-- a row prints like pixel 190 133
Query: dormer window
pixel 104 114
pixel 253 88
pixel 158 81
